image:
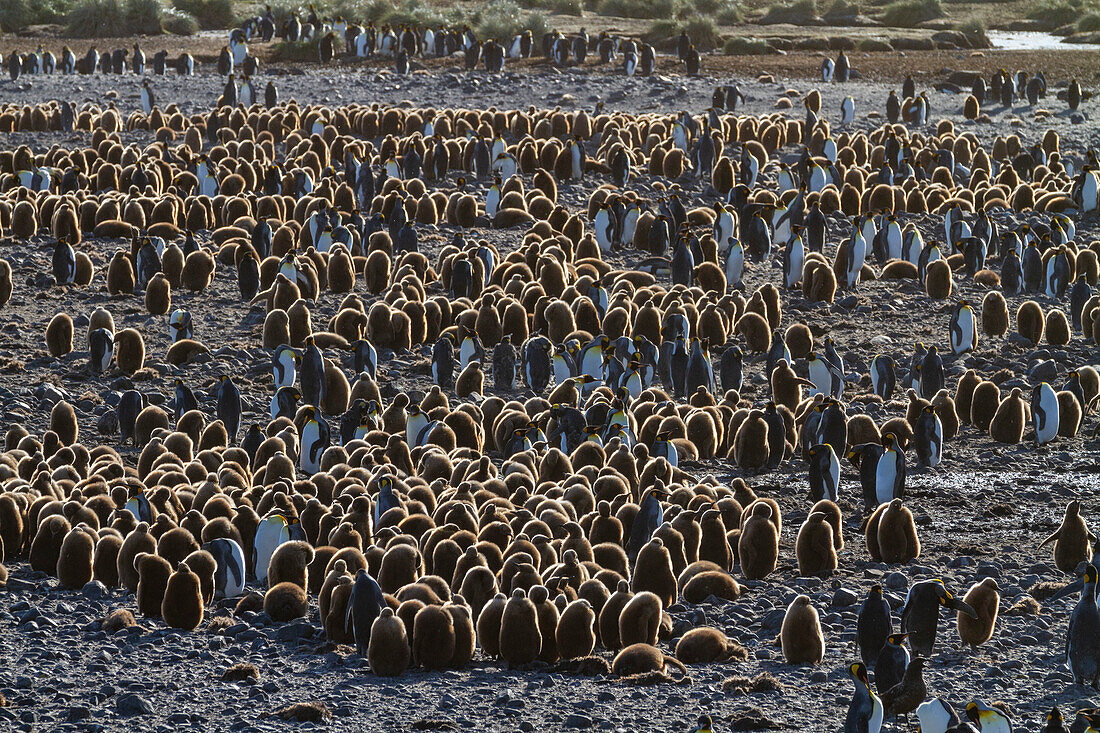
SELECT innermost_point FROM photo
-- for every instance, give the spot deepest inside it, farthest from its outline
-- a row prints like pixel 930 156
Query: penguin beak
pixel 958 605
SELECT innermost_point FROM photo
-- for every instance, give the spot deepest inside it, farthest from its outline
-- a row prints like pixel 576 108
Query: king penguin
pixel 315 440
pixel 865 710
pixel 1044 413
pixel 229 407
pixel 890 471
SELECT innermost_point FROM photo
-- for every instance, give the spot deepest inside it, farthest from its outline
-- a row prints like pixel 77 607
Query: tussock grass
pixel 911 13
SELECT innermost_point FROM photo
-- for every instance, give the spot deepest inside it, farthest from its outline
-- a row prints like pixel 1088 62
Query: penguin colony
pixel 547 496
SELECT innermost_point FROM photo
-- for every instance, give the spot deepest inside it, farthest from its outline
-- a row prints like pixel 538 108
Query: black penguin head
pixel 858 670
pixel 1090 574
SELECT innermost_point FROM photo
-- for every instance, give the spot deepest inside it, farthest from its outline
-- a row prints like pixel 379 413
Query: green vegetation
pixel 17 15
pixel 503 19
pixel 974 30
pixel 747 47
pixel 1057 13
pixel 798 12
pixel 210 14
pixel 701 29
pixel 294 51
pixel 911 13
pixel 143 17
pixel 640 9
pixel 96 19
pixel 560 7
pixel 841 12
pixel 179 23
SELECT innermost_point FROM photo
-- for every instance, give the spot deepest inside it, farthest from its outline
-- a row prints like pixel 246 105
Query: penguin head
pixel 1055 715
pixel 858 671
pixel 1090 574
pixel 897 639
pixel 888 441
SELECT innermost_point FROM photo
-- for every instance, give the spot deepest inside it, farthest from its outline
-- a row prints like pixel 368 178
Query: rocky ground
pixel 981 513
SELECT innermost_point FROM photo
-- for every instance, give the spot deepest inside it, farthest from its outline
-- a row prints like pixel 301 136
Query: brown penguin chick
pixel 105 560
pixel 800 636
pixel 1008 422
pixel 576 630
pixel 488 625
pixel 120 275
pixel 758 545
pixel 814 546
pixel 138 541
pixel 644 659
pixel 897 534
pixel 907 695
pixel 175 544
pixel 1029 321
pixel 835 519
pixel 63 422
pixel 433 641
pixel 1056 330
pixel 713 543
pixel 944 406
pixel 388 651
pixel 870 532
pixel 1072 540
pixel 1069 414
pixel 198 270
pixel 653 572
pixel 787 386
pixel 640 619
pixel 101 318
pixel 46 546
pixel 470 380
pixel 289 563
pixel 6 285
pixel 994 314
pixel 286 602
pixel 800 340
pixel 937 280
pixel 750 445
pixel 158 295
pixel 705 645
pixel 336 576
pixel 120 618
pixel 203 564
pixel 756 332
pixel 335 624
pixel 59 335
pixel 153 574
pixel 717 583
pixel 608 619
pixel 964 394
pixel 182 607
pixel 548 615
pixel 74 563
pixel 984 597
pixel 129 350
pixel 465 637
pixel 520 641
pixel 983 405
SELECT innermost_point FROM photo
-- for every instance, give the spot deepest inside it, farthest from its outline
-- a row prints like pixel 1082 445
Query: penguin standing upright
pixel 315 440
pixel 537 367
pixel 931 372
pixel 1044 413
pixel 504 364
pixel 891 663
pixel 148 99
pixel 865 711
pixel 873 625
pixel 101 350
pixel 920 614
pixel 64 262
pixel 1083 634
pixel 890 471
pixel 312 374
pixel 928 437
pixel 883 378
pixel 964 329
pixel 443 362
pixel 824 473
pixel 272 531
pixel 229 407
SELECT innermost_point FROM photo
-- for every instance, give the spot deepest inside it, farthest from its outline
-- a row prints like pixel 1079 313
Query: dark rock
pixel 133 704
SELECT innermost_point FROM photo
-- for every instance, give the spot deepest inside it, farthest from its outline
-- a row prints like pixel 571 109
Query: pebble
pixel 897 581
pixel 576 720
pixel 843 597
pixel 133 704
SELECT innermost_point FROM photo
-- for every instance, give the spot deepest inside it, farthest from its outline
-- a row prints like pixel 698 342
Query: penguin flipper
pixel 1052 538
